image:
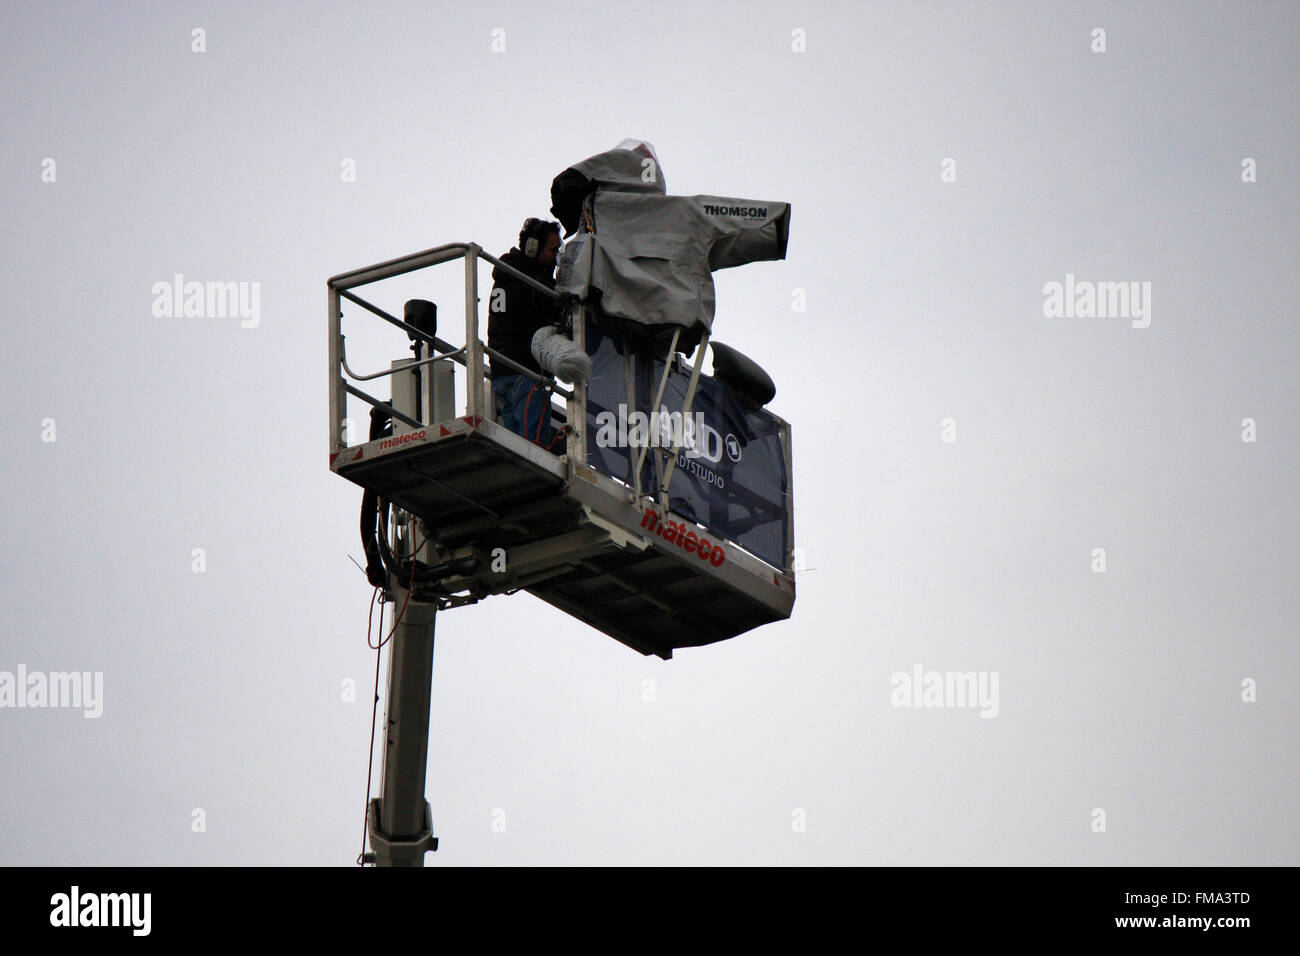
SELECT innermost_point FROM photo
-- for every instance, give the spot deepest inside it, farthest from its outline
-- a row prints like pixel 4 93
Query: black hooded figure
pixel 515 312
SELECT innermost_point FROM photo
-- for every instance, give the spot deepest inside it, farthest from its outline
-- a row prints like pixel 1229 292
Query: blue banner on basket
pixel 730 473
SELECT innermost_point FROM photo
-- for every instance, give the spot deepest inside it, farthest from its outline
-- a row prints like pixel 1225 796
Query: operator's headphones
pixel 534 233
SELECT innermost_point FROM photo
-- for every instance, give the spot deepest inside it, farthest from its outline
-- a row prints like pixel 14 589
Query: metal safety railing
pixel 470 355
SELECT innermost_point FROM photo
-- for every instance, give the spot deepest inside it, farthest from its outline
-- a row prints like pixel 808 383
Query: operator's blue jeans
pixel 524 408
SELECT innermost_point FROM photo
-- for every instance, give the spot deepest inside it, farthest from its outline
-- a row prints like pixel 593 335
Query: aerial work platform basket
pixel 659 546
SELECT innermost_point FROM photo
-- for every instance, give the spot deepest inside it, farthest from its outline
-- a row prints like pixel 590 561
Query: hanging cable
pixel 374 709
pixel 409 588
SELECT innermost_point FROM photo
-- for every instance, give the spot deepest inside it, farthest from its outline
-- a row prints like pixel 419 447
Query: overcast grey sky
pixel 945 162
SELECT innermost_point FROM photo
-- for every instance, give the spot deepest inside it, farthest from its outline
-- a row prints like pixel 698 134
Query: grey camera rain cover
pixel 651 256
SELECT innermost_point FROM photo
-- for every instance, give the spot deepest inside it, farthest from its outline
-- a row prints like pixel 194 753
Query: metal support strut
pixel 400 822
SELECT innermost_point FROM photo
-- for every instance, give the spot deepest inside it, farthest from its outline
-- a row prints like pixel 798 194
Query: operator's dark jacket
pixel 526 310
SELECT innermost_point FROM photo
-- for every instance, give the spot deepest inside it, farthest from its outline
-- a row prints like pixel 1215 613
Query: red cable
pixel 374 709
pixel 527 402
pixel 537 438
